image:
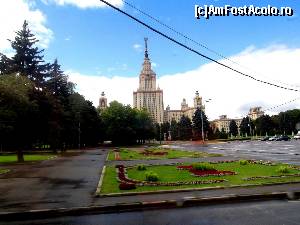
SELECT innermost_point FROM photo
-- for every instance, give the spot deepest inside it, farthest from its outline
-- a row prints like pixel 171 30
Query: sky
pixel 103 50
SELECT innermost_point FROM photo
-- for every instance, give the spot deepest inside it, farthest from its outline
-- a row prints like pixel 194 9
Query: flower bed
pixel 170 176
pixel 204 173
pixel 128 184
pixel 153 153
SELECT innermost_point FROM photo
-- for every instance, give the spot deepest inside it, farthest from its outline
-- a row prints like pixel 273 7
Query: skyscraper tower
pixel 148 96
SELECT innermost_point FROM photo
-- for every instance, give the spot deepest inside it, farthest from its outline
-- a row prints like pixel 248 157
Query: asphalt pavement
pixel 254 213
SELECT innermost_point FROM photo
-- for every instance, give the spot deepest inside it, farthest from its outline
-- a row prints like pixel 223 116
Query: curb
pixel 98 194
pixel 100 181
pixel 138 206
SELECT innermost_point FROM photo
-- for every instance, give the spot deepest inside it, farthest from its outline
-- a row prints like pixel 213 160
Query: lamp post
pixel 250 128
pixel 160 134
pixel 202 126
pixel 79 131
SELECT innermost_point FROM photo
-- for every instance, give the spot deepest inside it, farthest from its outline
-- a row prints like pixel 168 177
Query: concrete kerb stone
pixel 100 182
pixel 138 206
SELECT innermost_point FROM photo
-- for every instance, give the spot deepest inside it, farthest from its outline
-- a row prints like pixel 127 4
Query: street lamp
pixel 202 128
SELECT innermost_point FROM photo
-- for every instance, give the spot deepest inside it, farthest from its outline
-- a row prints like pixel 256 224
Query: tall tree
pixel 233 128
pixel 5 64
pixel 17 114
pixel 265 125
pixel 58 83
pixel 174 130
pixel 185 128
pixel 245 126
pixel 198 117
pixel 28 59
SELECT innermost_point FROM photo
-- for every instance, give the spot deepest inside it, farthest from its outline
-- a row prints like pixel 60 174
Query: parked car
pixel 265 138
pixel 273 138
pixel 283 138
pixel 297 136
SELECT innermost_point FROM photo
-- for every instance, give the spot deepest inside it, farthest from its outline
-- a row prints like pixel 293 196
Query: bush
pixel 283 169
pixel 203 166
pixel 151 176
pixel 141 167
pixel 243 162
pixel 127 186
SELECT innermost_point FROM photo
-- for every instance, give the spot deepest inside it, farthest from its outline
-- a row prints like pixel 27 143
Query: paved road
pixel 282 151
pixel 255 213
pixel 63 182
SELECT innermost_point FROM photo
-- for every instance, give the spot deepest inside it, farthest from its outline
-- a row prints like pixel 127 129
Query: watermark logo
pixel 207 11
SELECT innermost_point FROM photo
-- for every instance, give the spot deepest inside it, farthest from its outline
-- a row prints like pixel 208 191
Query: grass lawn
pixel 170 173
pixel 136 154
pixel 27 158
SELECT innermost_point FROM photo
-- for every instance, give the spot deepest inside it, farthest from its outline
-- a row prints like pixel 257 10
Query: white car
pixel 297 136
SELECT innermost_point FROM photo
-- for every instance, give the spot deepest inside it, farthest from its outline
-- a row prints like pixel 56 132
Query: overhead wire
pixel 196 52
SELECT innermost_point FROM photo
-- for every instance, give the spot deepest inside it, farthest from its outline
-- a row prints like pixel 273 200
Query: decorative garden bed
pixel 155 153
pixel 3 171
pixel 122 179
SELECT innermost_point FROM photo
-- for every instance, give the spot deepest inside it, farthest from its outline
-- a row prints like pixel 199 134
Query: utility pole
pixel 160 134
pixel 202 130
pixel 250 128
pixel 79 131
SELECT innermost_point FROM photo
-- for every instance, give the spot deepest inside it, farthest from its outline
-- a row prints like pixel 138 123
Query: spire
pixel 146 48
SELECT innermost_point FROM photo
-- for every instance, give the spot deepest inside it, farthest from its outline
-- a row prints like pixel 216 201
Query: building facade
pixel 185 110
pixel 148 96
pixel 103 101
pixel 223 123
pixel 255 113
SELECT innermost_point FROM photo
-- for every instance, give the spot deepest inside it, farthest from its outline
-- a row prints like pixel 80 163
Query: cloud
pixel 13 13
pixel 83 4
pixel 231 93
pixel 137 47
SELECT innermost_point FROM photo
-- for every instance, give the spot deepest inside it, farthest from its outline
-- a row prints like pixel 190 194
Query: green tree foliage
pixel 28 60
pixel 162 130
pixel 58 84
pixel 197 123
pixel 125 125
pixel 245 126
pixel 17 113
pixel 185 128
pixel 287 121
pixel 38 105
pixel 174 130
pixel 265 125
pixel 143 126
pixel 233 128
pixel 5 64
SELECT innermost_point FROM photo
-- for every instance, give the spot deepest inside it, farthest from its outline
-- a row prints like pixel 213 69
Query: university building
pixel 150 97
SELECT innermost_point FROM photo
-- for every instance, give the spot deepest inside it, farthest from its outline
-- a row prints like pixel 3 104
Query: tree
pixel 5 64
pixel 143 126
pixel 17 113
pixel 233 128
pixel 185 128
pixel 28 60
pixel 58 83
pixel 245 126
pixel 265 125
pixel 197 123
pixel 287 121
pixel 174 130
